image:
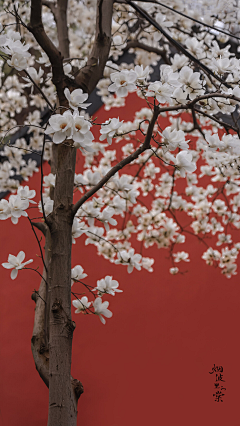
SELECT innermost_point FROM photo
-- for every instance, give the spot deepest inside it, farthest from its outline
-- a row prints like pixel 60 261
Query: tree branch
pixel 37 29
pixel 62 28
pixel 41 226
pixel 175 43
pixel 88 77
pixel 137 44
pixel 120 165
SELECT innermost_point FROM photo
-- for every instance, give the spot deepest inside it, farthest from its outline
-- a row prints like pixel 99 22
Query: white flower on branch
pixel 76 98
pixel 174 270
pixel 49 180
pixel 109 128
pixel 17 207
pixel 81 304
pixel 162 92
pixel 191 81
pixel 78 228
pixel 81 134
pixel 18 62
pixel 173 139
pixel 142 74
pixel 183 162
pixel 77 274
pixel 94 235
pixel 106 217
pixel 107 285
pixel 35 76
pixel 5 211
pixel 15 263
pixel 181 255
pixel 224 239
pixel 101 309
pixel 26 194
pixel 129 258
pixel 60 125
pixel 123 82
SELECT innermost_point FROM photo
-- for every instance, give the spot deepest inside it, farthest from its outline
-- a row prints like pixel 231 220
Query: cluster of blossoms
pixel 104 286
pixel 17 204
pixel 188 143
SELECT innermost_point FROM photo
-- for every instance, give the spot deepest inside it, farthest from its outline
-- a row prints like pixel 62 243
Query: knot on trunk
pixel 34 296
pixel 70 326
pixel 77 387
pixel 57 310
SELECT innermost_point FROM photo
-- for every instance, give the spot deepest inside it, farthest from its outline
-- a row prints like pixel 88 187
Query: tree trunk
pixel 62 395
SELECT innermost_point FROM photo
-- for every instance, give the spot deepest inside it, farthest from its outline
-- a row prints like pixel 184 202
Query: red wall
pixel 150 363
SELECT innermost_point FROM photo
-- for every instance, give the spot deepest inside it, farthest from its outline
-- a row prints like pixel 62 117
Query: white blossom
pixel 76 98
pixel 101 310
pixel 81 304
pixel 107 285
pixel 17 207
pixel 16 263
pixel 60 125
pixel 109 128
pixel 77 274
pixel 129 258
pixel 123 82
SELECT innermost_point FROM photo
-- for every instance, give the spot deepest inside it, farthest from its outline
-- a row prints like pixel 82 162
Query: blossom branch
pixel 120 165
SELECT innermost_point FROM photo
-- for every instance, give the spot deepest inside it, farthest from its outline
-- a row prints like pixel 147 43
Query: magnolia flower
pixel 181 255
pixel 77 229
pixel 130 259
pixel 224 239
pixel 101 309
pixel 222 65
pixel 107 285
pixel 109 128
pixel 48 205
pixel 18 62
pixel 76 98
pixel 16 46
pixel 44 60
pixel 183 162
pixel 131 196
pixel 162 92
pixel 35 76
pixel 94 235
pixel 174 271
pixel 26 194
pixel 17 207
pixel 60 126
pixel 81 134
pixel 106 217
pixel 15 263
pixel 77 274
pixel 123 82
pixel 142 74
pixel 173 139
pixel 49 180
pixel 5 211
pixel 192 82
pixel 81 304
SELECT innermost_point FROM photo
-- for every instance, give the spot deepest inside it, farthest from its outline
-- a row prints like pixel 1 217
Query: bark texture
pixel 62 398
pixel 53 327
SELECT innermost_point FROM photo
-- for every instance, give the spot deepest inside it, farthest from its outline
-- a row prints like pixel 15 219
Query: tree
pixel 53 57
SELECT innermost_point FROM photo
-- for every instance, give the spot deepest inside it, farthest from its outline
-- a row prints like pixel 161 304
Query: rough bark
pixel 38 342
pixel 59 12
pixel 53 329
pixel 62 398
pixel 90 75
pixel 62 28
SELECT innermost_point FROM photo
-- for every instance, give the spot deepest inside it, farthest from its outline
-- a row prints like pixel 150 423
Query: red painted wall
pixel 150 363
